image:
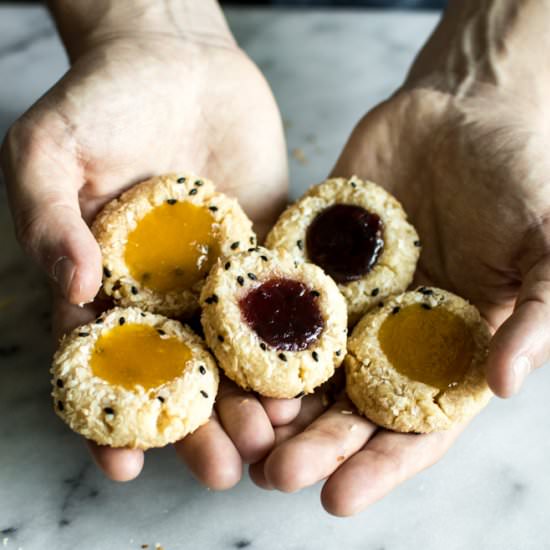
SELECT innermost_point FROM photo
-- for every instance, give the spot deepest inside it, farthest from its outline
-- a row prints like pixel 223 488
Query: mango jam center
pixel 430 345
pixel 172 247
pixel 132 354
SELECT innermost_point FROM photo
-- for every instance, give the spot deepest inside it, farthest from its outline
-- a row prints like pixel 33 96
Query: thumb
pixel 522 343
pixel 43 197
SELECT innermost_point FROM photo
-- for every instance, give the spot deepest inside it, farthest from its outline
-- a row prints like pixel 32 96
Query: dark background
pixel 406 4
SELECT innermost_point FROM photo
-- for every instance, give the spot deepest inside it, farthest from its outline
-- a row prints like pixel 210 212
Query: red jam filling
pixel 284 314
pixel 346 241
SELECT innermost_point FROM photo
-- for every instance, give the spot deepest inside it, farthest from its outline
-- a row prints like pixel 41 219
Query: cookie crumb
pixel 299 155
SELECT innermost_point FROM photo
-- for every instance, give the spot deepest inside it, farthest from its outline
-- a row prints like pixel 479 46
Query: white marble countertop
pixel 492 490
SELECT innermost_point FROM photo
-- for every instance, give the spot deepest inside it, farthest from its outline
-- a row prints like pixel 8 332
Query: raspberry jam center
pixel 284 313
pixel 346 241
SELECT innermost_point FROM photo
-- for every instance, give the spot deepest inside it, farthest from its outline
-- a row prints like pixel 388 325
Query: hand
pixel 463 145
pixel 135 103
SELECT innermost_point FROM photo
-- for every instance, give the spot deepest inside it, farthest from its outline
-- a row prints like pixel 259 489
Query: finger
pixel 281 411
pixel 67 316
pixel 319 450
pixel 211 456
pixel 117 464
pixel 312 406
pixel 43 193
pixel 245 421
pixel 387 460
pixel 522 343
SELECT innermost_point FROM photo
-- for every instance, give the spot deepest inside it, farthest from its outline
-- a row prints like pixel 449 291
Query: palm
pixel 128 116
pixel 465 177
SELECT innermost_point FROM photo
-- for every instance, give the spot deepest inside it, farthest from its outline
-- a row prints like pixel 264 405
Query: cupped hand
pixel 469 163
pixel 131 107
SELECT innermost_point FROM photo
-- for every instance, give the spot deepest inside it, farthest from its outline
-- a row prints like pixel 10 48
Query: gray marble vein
pixel 491 491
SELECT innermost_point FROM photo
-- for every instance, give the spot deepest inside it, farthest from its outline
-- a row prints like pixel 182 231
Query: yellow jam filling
pixel 132 354
pixel 432 346
pixel 172 247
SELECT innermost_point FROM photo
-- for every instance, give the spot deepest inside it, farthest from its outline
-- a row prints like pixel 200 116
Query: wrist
pixel 500 43
pixel 86 23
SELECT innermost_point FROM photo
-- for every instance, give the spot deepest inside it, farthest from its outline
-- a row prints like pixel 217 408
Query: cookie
pixel 358 233
pixel 416 364
pixel 133 379
pixel 276 326
pixel 160 238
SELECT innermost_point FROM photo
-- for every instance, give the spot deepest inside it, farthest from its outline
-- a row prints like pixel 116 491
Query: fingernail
pixel 521 367
pixel 63 273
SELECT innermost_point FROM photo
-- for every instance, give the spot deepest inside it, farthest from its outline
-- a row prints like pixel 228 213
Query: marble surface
pixel 492 490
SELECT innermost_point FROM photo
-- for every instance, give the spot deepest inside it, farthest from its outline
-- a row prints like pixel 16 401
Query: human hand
pixel 463 145
pixel 147 93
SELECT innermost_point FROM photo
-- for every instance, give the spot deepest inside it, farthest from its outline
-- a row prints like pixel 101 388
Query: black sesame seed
pixel 142 314
pixel 338 353
pixel 202 370
pixel 417 243
pixel 108 410
pixel 426 306
pixel 282 356
pixel 353 184
pixel 121 321
pixel 198 183
pixel 171 202
pixel 315 356
pixel 213 208
pixel 252 240
pixel 380 304
pixel 99 321
pixel 212 299
pixel 227 265
pixel 251 249
pixel 161 332
pixel 220 338
pixel 60 405
pixel 134 290
pixel 395 310
pixel 375 292
pixel 83 334
pixel 425 291
pixel 193 191
pixel 264 258
pixel 181 180
pixel 204 394
pixel 301 394
pixel 240 280
pixel 263 346
pixel 251 276
pixel 160 398
pixel 235 245
pixel 59 383
pixel 300 244
pixel 315 293
pixel 107 272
